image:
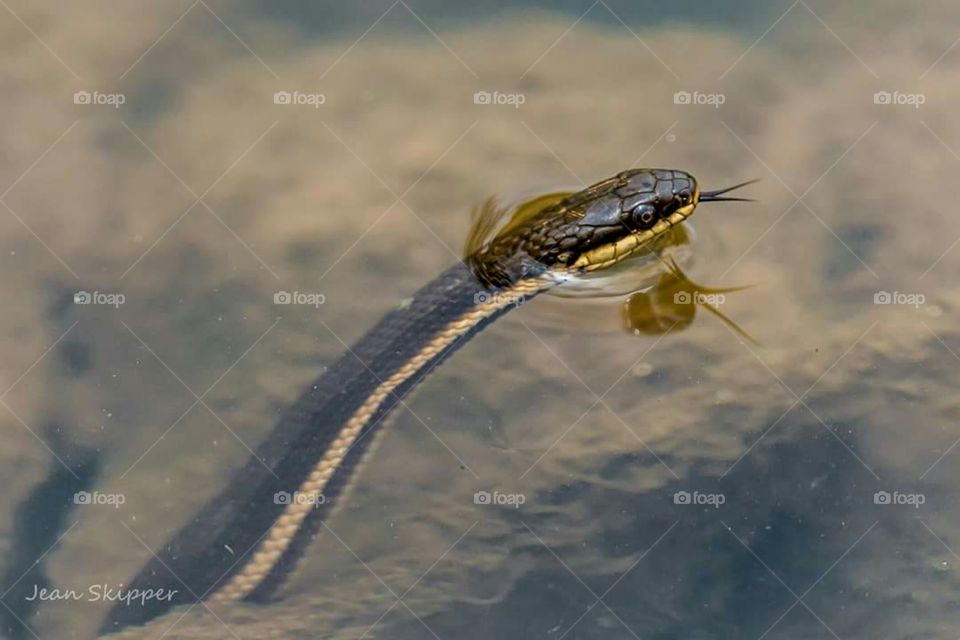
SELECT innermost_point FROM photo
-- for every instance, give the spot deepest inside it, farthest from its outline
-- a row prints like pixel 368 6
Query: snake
pixel 245 541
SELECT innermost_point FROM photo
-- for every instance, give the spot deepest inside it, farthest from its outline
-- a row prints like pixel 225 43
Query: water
pixel 787 449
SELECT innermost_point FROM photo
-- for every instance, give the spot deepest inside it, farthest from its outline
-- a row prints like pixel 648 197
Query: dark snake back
pixel 216 542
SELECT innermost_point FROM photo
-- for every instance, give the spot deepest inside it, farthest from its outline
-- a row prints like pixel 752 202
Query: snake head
pixel 594 228
pixel 636 200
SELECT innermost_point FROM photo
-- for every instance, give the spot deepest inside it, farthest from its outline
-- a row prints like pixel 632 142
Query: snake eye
pixel 644 216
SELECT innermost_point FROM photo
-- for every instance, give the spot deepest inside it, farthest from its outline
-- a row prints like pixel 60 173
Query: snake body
pixel 246 540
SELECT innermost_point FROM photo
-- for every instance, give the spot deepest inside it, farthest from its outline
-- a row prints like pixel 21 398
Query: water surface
pixel 199 199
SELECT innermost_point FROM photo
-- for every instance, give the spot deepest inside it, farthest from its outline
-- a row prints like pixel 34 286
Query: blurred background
pixel 168 168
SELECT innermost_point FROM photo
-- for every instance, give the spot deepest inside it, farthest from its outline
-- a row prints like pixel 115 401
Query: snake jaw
pixel 610 254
